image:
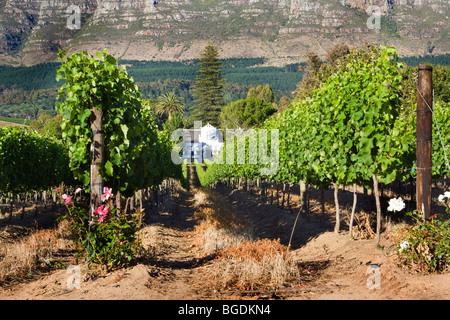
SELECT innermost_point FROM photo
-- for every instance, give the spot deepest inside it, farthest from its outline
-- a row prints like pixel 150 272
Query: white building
pixel 203 143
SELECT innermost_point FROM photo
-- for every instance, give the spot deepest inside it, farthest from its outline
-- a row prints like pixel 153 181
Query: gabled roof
pixel 193 135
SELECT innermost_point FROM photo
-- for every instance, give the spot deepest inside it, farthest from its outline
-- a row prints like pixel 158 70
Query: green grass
pixel 17 121
pixel 10 124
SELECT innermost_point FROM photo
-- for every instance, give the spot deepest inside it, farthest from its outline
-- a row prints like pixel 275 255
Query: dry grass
pixel 262 264
pixel 241 261
pixel 362 228
pixel 219 227
pixel 10 124
pixel 200 198
pixel 214 239
pixel 24 256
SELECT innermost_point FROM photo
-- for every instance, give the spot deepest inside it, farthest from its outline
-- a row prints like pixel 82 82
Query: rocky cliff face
pixel 31 31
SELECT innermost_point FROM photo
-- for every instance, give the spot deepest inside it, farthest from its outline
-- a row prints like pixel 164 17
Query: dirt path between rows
pixel 167 272
pixel 340 267
pixel 333 265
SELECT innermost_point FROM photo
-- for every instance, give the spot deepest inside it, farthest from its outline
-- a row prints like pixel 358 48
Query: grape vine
pixel 135 153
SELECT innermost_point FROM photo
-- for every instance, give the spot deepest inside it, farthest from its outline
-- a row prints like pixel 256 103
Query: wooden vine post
pixel 336 201
pixel 378 205
pixel 98 152
pixel 424 140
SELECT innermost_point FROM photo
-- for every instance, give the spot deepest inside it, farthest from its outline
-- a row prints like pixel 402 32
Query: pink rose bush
pixel 109 234
pixel 101 213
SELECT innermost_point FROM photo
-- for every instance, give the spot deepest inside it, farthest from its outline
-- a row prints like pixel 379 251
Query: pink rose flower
pixel 107 193
pixel 67 199
pixel 102 210
pixel 101 213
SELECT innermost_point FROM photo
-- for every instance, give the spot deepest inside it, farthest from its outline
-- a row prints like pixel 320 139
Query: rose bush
pixel 108 237
pixel 424 247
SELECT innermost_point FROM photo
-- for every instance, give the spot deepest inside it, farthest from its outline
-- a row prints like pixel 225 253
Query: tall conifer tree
pixel 208 89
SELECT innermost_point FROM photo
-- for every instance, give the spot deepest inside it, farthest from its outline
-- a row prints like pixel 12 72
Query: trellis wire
pixel 437 125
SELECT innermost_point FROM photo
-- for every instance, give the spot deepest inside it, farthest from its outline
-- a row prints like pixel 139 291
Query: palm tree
pixel 169 103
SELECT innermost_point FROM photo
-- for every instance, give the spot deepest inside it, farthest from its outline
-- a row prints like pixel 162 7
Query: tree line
pixel 26 92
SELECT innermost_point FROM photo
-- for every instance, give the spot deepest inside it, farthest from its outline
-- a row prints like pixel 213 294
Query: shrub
pixel 109 236
pixel 425 246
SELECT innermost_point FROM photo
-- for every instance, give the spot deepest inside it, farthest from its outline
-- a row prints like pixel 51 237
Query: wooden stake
pixel 424 140
pixel 377 202
pixel 336 201
pixel 302 194
pixel 355 198
pixel 97 157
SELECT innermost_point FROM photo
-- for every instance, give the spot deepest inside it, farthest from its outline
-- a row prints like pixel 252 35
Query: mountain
pixel 283 31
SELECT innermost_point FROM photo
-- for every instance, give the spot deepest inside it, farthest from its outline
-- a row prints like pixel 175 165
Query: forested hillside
pixel 27 91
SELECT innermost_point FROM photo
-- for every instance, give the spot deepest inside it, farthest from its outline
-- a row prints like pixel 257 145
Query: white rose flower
pixel 447 194
pixel 404 245
pixel 396 204
pixel 441 198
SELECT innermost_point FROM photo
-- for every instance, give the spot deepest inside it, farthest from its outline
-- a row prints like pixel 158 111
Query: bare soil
pixel 334 266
